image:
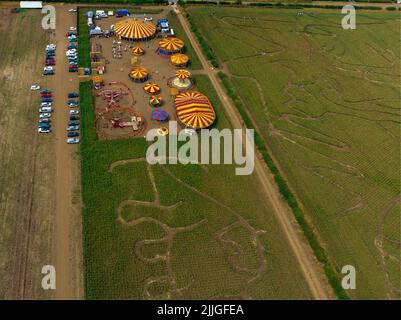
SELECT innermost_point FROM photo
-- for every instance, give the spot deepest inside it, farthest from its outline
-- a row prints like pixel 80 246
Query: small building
pixel 31 4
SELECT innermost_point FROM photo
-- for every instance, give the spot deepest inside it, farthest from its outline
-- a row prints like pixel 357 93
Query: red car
pixel 50 60
pixel 49 64
pixel 46 95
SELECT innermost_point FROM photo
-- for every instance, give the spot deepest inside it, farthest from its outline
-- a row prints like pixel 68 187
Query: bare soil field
pixel 26 165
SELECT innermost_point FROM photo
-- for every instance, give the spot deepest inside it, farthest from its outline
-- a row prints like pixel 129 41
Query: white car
pixel 43 130
pixel 45 115
pixel 51 46
pixel 73 29
pixel 72 10
pixel 148 19
pixel 45 109
pixel 72 140
pixel 48 68
pixel 46 104
pixel 35 87
pixel 70 51
pixel 74 111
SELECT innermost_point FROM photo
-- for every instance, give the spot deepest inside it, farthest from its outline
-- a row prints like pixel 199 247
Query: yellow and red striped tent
pixel 151 88
pixel 194 109
pixel 170 45
pixel 138 51
pixel 134 30
pixel 179 59
pixel 182 74
pixel 138 73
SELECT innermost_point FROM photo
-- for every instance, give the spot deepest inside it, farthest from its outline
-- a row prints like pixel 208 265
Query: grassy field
pixel 326 102
pixel 27 171
pixel 177 231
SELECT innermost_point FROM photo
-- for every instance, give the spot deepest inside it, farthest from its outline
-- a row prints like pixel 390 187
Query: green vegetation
pixel 325 101
pixel 202 260
pixel 83 39
pixel 194 62
pixel 319 252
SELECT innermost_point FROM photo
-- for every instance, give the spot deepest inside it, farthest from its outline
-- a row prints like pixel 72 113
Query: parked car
pixel 46 100
pixel 148 19
pixel 48 73
pixel 73 70
pixel 73 140
pixel 44 125
pixel 44 120
pixel 35 87
pixel 50 63
pixel 72 101
pixel 74 112
pixel 72 10
pixel 71 33
pixel 44 130
pixel 72 128
pixel 48 69
pixel 46 91
pixel 72 63
pixel 45 109
pixel 72 105
pixel 73 123
pixel 72 95
pixel 72 39
pixel 73 29
pixel 71 134
pixel 46 95
pixel 45 115
pixel 46 104
pixel 74 117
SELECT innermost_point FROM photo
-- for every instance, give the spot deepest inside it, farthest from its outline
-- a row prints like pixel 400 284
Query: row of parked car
pixel 45 111
pixel 50 60
pixel 71 52
pixel 73 124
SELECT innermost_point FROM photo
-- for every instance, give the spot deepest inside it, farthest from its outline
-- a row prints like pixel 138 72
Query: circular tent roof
pixel 159 115
pixel 138 73
pixel 134 29
pixel 179 59
pixel 170 44
pixel 182 74
pixel 194 109
pixel 137 51
pixel 155 100
pixel 151 88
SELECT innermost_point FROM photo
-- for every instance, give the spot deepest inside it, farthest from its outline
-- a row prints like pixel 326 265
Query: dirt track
pixel 312 271
pixel 67 242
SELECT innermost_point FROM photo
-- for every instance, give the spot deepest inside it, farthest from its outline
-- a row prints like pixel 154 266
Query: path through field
pixel 312 272
pixel 68 245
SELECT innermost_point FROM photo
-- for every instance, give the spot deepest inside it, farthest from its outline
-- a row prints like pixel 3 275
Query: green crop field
pixel 175 231
pixel 327 103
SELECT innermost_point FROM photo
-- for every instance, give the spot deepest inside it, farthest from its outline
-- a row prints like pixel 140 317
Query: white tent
pixel 31 4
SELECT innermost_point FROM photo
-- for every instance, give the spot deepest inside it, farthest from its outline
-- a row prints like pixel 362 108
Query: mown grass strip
pixel 321 255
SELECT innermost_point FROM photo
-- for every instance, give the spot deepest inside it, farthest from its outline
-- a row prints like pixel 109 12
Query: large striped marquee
pixel 134 30
pixel 194 109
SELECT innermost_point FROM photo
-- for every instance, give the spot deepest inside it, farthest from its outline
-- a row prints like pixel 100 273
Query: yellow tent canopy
pixel 170 45
pixel 151 88
pixel 194 109
pixel 134 30
pixel 179 59
pixel 182 74
pixel 137 51
pixel 138 73
pixel 155 100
